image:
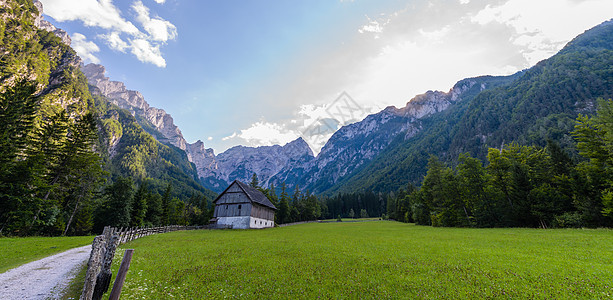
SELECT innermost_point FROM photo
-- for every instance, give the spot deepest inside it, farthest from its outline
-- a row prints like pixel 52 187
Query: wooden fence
pixel 98 276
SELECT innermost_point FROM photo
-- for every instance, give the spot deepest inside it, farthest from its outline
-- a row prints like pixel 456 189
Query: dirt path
pixel 45 278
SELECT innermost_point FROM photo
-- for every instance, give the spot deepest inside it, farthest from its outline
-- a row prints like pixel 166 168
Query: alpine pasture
pixel 368 260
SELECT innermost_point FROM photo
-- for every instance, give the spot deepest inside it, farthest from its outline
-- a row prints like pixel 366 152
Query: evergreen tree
pixel 283 211
pixel 139 206
pixel 117 207
pixel 18 107
pixel 272 195
pixel 255 183
pixel 166 206
pixel 154 210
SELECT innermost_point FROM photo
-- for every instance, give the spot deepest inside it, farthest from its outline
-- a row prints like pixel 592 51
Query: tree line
pixel 126 204
pixel 299 205
pixel 520 186
pixel 55 180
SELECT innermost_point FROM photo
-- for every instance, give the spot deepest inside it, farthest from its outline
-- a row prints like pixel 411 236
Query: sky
pixel 265 72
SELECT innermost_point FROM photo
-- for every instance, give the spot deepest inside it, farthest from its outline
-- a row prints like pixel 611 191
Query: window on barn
pixel 239 206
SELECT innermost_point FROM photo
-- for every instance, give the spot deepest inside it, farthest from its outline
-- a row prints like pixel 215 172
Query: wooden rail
pixel 98 276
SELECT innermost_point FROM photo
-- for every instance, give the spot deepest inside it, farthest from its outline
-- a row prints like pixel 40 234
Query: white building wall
pixel 260 223
pixel 245 222
pixel 241 222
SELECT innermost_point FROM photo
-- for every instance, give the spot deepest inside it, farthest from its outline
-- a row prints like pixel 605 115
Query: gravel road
pixel 45 278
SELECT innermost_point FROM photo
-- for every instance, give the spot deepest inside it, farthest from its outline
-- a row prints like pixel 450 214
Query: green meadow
pixel 368 260
pixel 18 251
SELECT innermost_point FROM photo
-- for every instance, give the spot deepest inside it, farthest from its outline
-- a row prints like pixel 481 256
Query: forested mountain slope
pixel 540 105
pixel 354 146
pixel 60 146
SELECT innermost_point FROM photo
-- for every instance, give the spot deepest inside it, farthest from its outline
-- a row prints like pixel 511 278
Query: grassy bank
pixel 371 260
pixel 18 251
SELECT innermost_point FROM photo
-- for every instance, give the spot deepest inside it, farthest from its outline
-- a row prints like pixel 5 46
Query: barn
pixel 243 207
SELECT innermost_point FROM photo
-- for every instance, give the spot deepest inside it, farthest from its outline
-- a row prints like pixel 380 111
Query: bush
pixel 568 220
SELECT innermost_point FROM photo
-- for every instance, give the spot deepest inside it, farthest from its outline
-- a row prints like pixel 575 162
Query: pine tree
pixel 18 107
pixel 154 210
pixel 139 206
pixel 166 206
pixel 255 183
pixel 282 214
pixel 118 203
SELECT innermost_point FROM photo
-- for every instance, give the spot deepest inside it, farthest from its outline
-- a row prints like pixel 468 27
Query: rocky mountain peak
pixel 135 102
pixel 156 118
pixel 298 147
pixel 41 23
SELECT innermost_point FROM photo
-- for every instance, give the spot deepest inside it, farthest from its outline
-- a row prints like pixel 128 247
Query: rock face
pixel 46 25
pixel 349 149
pixel 354 145
pixel 241 162
pixel 167 131
pixel 216 172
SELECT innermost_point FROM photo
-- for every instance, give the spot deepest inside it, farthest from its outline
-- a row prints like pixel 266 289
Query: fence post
pixel 93 267
pixel 121 275
pixel 104 277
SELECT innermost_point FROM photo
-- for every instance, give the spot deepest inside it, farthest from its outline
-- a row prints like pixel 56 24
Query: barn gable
pixel 243 206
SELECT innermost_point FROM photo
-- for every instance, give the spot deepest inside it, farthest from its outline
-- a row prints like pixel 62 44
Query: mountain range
pixel 389 149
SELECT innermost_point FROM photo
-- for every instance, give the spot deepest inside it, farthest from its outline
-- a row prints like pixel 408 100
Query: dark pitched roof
pixel 252 193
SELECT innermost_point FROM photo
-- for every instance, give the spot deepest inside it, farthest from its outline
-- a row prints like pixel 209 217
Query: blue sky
pixel 260 72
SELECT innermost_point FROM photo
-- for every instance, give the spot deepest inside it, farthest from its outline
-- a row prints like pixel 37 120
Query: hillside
pixel 353 147
pixel 62 146
pixel 540 105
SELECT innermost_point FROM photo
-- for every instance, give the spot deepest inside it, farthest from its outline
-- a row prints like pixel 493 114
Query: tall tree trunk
pixel 44 200
pixel 74 211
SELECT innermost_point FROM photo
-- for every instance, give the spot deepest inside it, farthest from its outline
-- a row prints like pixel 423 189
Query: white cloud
pixel 146 52
pixel 372 26
pixel 85 48
pixel 158 28
pixel 263 133
pixel 543 27
pixel 430 45
pixel 160 1
pixel 232 136
pixel 93 13
pixel 118 33
pixel 210 138
pixel 115 42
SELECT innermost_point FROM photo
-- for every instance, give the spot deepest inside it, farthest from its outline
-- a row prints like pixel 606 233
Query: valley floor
pixel 371 260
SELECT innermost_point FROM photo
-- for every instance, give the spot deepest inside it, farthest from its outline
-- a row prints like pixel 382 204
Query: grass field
pixel 18 251
pixel 371 260
pixel 353 220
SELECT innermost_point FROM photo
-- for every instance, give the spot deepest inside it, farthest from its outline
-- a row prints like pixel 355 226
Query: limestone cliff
pixel 134 102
